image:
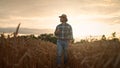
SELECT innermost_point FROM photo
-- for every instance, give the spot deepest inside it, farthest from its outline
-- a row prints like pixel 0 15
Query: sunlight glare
pixel 88 28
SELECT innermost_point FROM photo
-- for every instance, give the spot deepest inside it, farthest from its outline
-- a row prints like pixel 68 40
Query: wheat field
pixel 23 52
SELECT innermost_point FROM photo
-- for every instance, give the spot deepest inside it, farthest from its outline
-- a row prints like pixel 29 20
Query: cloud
pixel 108 7
pixel 25 8
pixel 28 9
pixel 26 30
pixel 108 20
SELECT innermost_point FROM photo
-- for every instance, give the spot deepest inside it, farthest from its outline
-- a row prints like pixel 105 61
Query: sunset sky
pixel 87 17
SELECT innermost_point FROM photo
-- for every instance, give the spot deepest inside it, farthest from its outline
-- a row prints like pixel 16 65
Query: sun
pixel 88 29
pixel 86 25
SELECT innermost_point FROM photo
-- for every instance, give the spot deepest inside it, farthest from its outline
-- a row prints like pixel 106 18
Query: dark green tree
pixel 103 37
pixel 114 38
pixel 48 37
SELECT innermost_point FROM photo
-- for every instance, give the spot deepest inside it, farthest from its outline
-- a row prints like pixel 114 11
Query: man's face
pixel 62 19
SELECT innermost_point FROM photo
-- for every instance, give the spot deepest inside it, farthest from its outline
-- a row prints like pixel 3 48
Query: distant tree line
pixel 48 37
pixel 113 38
pixel 53 39
pixel 44 37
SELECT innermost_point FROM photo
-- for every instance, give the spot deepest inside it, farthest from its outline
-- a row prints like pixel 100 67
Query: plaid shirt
pixel 65 32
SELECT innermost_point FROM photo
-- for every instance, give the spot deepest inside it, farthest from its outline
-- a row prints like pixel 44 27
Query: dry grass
pixel 26 53
pixel 99 54
pixel 32 53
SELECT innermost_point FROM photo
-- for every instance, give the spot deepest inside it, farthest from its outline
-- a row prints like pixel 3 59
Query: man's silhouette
pixel 64 35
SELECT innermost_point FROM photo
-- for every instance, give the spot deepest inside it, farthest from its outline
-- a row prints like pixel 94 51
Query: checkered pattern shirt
pixel 65 32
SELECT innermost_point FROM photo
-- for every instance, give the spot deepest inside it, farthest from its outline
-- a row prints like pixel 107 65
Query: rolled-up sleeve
pixel 55 33
pixel 71 34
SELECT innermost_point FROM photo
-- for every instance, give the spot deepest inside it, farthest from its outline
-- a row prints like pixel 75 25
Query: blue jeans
pixel 62 46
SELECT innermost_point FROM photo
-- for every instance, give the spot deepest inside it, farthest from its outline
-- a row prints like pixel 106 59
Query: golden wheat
pixel 33 53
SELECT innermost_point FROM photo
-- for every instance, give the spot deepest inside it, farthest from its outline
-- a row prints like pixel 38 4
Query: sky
pixel 87 17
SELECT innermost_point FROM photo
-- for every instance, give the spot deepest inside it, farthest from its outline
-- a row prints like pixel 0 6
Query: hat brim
pixel 62 17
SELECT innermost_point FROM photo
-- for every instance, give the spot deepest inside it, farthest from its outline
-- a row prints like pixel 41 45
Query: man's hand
pixel 57 31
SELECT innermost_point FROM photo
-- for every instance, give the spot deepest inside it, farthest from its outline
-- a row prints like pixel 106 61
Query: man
pixel 64 36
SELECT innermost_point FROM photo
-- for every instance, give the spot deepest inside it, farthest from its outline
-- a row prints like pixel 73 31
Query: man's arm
pixel 71 34
pixel 71 40
pixel 57 31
